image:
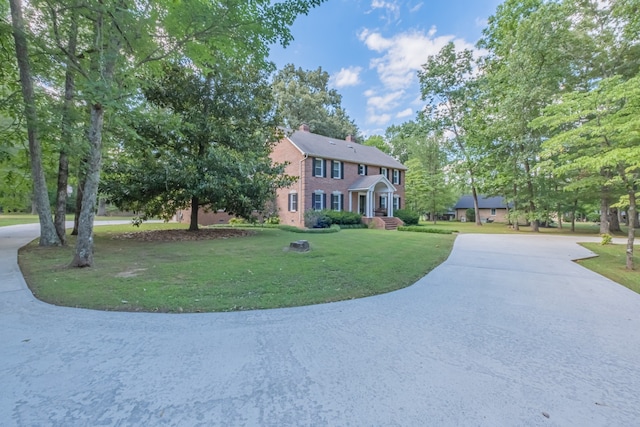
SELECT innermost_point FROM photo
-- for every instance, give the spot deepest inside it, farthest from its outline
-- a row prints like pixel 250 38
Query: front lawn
pixel 610 263
pixel 235 273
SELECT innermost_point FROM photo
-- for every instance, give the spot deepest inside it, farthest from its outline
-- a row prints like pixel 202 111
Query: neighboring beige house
pixel 338 174
pixel 493 209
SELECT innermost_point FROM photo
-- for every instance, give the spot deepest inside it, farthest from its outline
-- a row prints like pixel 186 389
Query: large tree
pixel 448 86
pixel 304 97
pixel 48 235
pixel 203 141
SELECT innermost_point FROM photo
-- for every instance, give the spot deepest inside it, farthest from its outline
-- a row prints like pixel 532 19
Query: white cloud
pixel 378 119
pixel 416 7
pixel 346 77
pixel 391 9
pixel 405 113
pixel 404 54
pixel 386 102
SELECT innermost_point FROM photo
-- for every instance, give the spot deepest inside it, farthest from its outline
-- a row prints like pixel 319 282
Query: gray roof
pixel 366 182
pixel 466 202
pixel 338 149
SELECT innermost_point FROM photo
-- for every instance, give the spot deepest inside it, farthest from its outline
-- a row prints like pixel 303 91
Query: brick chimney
pixel 350 138
pixel 304 128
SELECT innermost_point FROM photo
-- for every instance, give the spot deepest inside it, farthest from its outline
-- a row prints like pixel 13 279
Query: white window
pixel 493 211
pixel 385 172
pixel 336 201
pixel 318 200
pixel 318 167
pixel 396 202
pixel 362 169
pixel 396 176
pixel 336 169
pixel 293 202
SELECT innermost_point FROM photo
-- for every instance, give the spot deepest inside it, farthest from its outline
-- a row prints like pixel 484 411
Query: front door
pixel 362 205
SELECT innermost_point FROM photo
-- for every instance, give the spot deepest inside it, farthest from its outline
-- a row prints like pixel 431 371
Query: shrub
pixel 237 221
pixel 291 228
pixel 421 229
pixel 272 220
pixel 353 226
pixel 316 219
pixel 471 215
pixel 342 217
pixel 606 239
pixel 407 216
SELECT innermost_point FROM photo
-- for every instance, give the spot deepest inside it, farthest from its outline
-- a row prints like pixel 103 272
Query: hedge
pixel 421 229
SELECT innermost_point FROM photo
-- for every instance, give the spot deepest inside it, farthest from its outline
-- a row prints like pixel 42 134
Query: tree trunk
pixel 614 224
pixel 82 167
pixel 535 224
pixel 193 223
pixel 631 230
pixel 102 207
pixel 476 207
pixel 66 134
pixel 48 235
pixel 107 43
pixel 604 215
pixel 84 245
pixel 573 216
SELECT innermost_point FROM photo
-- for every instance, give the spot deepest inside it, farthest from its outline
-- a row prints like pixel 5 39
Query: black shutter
pixel 387 174
pixel 332 174
pixel 313 201
pixel 381 170
pixel 324 201
pixel 365 169
pixel 399 177
pixel 341 170
pixel 399 202
pixel 342 202
pixel 313 166
pixel 325 167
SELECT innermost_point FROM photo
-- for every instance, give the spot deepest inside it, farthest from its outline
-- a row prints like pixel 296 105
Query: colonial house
pixel 491 208
pixel 338 174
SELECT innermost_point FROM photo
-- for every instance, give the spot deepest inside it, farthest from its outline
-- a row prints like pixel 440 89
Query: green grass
pixel 16 219
pixel 232 274
pixel 582 228
pixel 611 263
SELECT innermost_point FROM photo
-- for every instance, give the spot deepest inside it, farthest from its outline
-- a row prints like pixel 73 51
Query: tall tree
pixel 48 235
pixel 447 84
pixel 304 97
pixel 202 142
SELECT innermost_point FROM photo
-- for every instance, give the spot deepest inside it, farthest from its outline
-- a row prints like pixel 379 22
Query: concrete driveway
pixel 508 331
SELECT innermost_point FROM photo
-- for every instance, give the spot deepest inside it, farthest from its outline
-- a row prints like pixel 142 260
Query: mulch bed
pixel 182 235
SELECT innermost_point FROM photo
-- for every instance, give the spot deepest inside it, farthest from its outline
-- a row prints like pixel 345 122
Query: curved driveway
pixel 508 331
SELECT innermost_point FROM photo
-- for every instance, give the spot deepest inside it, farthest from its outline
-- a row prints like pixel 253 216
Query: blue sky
pixel 373 49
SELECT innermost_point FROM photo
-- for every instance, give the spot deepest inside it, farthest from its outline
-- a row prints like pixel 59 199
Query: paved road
pixel 508 331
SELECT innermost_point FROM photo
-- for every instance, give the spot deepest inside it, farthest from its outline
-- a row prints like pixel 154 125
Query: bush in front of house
pixel 316 219
pixel 407 216
pixel 471 215
pixel 421 229
pixel 343 218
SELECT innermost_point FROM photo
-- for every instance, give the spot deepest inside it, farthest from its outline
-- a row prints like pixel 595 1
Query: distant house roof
pixel 466 202
pixel 338 149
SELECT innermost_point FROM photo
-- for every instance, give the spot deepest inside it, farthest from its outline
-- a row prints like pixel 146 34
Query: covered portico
pixel 366 189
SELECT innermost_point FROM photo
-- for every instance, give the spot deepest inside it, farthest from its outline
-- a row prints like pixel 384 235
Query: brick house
pixel 340 175
pixel 490 208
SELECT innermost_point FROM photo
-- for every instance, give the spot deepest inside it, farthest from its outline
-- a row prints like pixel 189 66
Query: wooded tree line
pixel 545 113
pixel 169 96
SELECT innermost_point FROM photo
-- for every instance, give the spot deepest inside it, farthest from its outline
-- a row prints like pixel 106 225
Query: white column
pixel 350 201
pixel 389 203
pixel 370 203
